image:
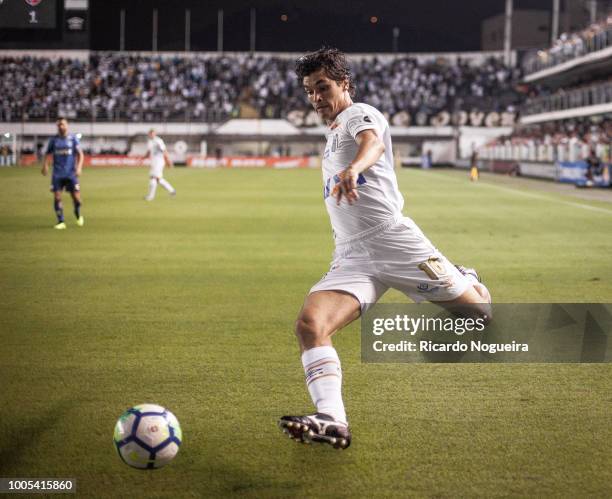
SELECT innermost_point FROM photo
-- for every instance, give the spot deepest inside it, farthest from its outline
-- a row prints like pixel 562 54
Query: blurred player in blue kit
pixel 67 166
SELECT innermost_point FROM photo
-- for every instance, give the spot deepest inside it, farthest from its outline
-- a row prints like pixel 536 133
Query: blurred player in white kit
pixel 159 159
pixel 377 247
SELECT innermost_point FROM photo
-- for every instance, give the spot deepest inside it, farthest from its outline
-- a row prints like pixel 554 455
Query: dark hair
pixel 61 118
pixel 332 60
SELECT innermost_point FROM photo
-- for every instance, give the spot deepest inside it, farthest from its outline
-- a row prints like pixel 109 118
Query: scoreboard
pixel 28 14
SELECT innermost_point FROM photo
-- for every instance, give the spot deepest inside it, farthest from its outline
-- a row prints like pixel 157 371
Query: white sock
pixel 324 380
pixel 166 185
pixel 152 188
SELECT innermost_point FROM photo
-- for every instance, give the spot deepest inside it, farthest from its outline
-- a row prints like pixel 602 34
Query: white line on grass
pixel 532 195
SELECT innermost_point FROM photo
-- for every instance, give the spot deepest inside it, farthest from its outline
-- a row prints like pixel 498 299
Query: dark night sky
pixel 425 25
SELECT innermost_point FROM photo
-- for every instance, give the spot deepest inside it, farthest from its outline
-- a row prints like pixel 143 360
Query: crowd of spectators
pixel 211 88
pixel 542 99
pixel 568 46
pixel 583 130
pixel 404 84
pixel 579 134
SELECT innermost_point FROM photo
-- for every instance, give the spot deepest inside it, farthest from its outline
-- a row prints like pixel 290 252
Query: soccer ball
pixel 147 436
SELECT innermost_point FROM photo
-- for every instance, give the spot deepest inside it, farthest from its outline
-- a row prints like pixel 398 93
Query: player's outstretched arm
pixel 81 158
pixel 370 149
pixel 45 167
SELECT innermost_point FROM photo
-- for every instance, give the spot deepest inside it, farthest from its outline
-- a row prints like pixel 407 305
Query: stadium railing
pixel 590 95
pixel 532 150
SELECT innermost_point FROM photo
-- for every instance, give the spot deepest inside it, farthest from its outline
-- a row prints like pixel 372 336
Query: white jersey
pixel 156 149
pixel 380 201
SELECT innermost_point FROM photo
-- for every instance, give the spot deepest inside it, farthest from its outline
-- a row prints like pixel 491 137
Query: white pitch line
pixel 548 198
pixel 537 196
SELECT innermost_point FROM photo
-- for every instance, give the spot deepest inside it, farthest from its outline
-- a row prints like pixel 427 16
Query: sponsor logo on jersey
pixel 328 189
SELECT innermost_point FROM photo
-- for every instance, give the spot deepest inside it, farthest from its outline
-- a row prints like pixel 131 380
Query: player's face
pixel 62 127
pixel 328 97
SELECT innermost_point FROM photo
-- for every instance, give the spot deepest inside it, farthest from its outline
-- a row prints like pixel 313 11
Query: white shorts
pixel 157 169
pixel 399 257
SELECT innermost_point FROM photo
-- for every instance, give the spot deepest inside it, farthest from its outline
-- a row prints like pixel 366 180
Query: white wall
pixel 442 151
pixel 475 137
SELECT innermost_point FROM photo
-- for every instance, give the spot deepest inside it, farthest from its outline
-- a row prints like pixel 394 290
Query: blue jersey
pixel 64 150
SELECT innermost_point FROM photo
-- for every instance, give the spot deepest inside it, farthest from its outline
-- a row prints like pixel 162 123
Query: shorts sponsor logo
pixel 434 268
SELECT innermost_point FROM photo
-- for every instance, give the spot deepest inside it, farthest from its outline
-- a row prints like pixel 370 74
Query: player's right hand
pixel 347 187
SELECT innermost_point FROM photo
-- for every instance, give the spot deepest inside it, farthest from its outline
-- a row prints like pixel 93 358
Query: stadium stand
pixel 594 38
pixel 567 115
pixel 543 99
pixel 553 140
pixel 213 88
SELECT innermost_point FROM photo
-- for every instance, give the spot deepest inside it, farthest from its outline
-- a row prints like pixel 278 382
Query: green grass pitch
pixel 189 302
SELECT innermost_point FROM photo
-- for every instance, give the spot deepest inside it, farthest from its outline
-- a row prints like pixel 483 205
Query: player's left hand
pixel 347 187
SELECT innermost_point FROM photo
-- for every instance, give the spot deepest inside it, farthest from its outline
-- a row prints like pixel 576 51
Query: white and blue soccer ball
pixel 147 436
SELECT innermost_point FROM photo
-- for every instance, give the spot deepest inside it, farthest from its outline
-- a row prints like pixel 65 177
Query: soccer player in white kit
pixel 377 248
pixel 159 159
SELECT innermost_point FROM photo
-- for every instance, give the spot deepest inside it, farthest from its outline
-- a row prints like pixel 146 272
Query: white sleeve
pixel 359 120
pixel 162 146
